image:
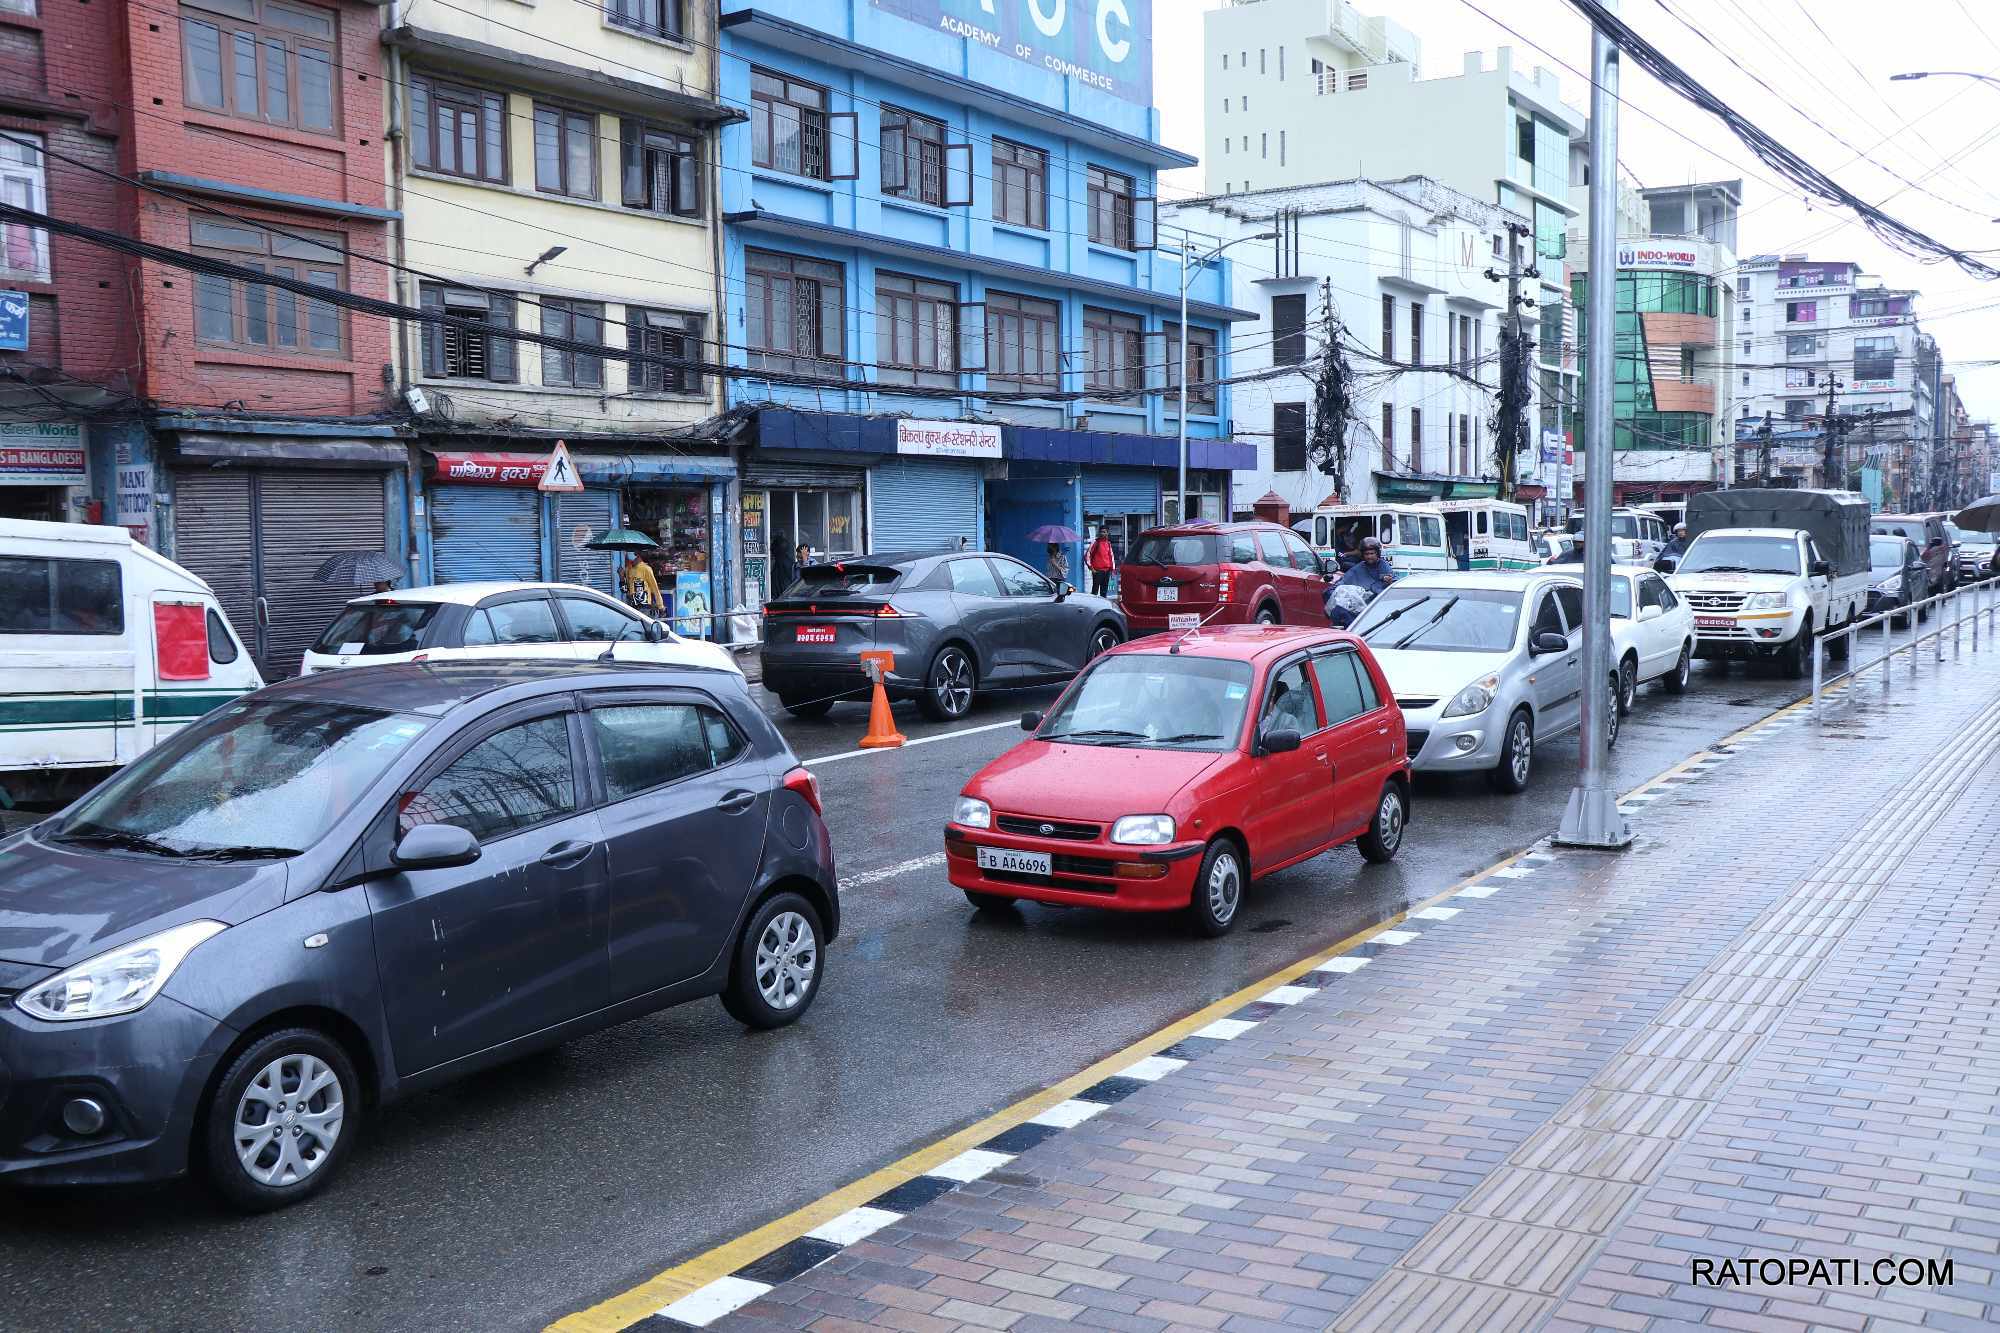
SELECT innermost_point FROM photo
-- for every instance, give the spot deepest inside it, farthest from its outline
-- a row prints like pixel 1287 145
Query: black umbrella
pixel 358 569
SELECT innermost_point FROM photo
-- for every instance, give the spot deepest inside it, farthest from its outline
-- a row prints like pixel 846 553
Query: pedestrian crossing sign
pixel 560 474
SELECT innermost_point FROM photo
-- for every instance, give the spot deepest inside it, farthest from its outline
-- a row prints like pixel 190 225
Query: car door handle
pixel 736 802
pixel 566 854
pixel 1320 755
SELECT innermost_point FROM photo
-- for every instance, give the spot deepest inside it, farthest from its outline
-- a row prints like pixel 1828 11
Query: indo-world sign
pixel 1106 44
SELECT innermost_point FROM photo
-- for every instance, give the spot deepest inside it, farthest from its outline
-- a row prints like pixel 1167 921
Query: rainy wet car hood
pixel 1090 782
pixel 1416 674
pixel 60 904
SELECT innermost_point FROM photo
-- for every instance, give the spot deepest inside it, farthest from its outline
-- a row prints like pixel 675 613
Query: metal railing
pixel 1949 611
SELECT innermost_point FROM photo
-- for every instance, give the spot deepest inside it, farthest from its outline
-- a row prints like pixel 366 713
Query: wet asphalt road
pixel 524 1193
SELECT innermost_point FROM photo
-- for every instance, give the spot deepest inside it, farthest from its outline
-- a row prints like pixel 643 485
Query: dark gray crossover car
pixel 957 621
pixel 350 887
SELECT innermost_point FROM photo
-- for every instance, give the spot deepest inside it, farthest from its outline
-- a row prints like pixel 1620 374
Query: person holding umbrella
pixel 642 589
pixel 375 569
pixel 1059 538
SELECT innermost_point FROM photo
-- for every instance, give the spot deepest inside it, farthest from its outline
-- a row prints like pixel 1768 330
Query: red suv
pixel 1220 574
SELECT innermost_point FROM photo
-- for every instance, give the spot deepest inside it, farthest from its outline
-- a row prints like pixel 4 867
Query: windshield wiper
pixel 1425 628
pixel 1102 733
pixel 1720 569
pixel 1187 736
pixel 1391 618
pixel 131 842
pixel 241 853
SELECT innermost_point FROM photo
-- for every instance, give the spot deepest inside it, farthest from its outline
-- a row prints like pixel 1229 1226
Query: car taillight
pixel 887 612
pixel 1225 579
pixel 801 781
pixel 421 657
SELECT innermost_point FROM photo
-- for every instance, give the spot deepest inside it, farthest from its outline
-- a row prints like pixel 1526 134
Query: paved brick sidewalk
pixel 1769 1031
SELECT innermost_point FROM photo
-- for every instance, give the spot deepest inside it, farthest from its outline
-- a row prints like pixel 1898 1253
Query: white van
pixel 1487 534
pixel 106 649
pixel 1412 536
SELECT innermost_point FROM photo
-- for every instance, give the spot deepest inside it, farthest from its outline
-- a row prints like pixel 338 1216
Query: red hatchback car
pixel 1172 772
pixel 1190 574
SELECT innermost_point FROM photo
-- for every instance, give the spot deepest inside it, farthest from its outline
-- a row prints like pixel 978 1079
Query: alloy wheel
pixel 1523 749
pixel 1225 888
pixel 1389 819
pixel 288 1120
pixel 951 682
pixel 787 957
pixel 1103 641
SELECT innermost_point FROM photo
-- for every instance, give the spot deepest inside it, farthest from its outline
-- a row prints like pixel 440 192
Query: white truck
pixel 106 649
pixel 1769 569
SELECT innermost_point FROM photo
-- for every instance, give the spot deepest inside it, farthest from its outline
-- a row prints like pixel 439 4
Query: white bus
pixel 1441 534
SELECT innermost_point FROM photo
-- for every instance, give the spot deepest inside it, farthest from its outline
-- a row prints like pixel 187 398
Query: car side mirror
pixel 1822 569
pixel 1065 591
pixel 1548 641
pixel 1651 612
pixel 435 847
pixel 1282 740
pixel 1031 721
pixel 655 632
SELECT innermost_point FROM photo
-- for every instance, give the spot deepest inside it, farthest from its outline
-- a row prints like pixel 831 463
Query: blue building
pixel 938 241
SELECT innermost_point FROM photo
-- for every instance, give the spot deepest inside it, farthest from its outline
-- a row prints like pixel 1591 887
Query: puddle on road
pixel 1267 927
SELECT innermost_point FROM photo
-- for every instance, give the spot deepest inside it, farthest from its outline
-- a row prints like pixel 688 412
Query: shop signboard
pixel 42 453
pixel 1104 44
pixel 1649 255
pixel 13 321
pixel 476 469
pixel 692 604
pixel 1796 273
pixel 947 439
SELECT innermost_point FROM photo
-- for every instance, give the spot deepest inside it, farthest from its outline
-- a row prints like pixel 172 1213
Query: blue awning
pixel 847 432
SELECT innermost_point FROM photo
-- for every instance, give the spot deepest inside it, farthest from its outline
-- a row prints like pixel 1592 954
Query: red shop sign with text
pixel 489 469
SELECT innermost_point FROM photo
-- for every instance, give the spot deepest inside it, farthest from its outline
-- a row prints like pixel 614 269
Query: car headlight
pixel 1144 830
pixel 118 982
pixel 1474 698
pixel 1767 601
pixel 972 812
pixel 1890 586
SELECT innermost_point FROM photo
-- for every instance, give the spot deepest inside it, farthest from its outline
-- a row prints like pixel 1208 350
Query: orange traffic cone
pixel 882 733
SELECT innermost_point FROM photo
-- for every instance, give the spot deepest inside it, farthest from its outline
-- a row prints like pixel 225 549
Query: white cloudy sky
pixel 1943 134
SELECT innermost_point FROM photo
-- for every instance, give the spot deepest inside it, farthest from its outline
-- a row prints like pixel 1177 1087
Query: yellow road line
pixel 663 1289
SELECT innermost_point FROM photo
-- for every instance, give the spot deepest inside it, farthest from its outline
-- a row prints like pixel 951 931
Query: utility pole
pixel 1592 818
pixel 1764 452
pixel 1512 435
pixel 1830 463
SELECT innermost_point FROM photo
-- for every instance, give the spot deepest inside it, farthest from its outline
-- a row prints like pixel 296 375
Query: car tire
pixel 987 902
pixel 807 708
pixel 950 685
pixel 1385 832
pixel 256 1173
pixel 1517 755
pixel 1102 640
pixel 1797 656
pixel 779 963
pixel 1217 900
pixel 1676 681
pixel 1267 615
pixel 1613 719
pixel 1628 684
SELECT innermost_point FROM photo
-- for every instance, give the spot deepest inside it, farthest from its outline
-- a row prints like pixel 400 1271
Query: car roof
pixel 1195 527
pixel 1904 518
pixel 1498 580
pixel 1244 643
pixel 467 594
pixel 1751 532
pixel 436 688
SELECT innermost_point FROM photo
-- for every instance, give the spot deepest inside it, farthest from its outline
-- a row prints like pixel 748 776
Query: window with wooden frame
pixel 1203 369
pixel 1288 330
pixel 1117 351
pixel 1110 208
pixel 659 171
pixel 565 367
pixel 1388 434
pixel 265 60
pixel 1288 437
pixel 565 151
pixel 1023 343
pixel 916 331
pixel 254 316
pixel 791 129
pixel 1416 439
pixel 664 338
pixel 458 131
pixel 919 162
pixel 1020 185
pixel 795 317
pixel 1465 460
pixel 1388 328
pixel 1416 333
pixel 655 18
pixel 24 250
pixel 455 352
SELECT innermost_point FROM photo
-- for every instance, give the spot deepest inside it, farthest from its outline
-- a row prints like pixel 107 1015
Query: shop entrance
pixel 678 518
pixel 827 520
pixel 43 504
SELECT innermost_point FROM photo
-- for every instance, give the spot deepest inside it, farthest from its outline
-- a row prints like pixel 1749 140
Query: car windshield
pixel 1444 620
pixel 1714 553
pixel 373 628
pixel 1622 525
pixel 1165 548
pixel 1159 700
pixel 826 580
pixel 254 779
pixel 1885 554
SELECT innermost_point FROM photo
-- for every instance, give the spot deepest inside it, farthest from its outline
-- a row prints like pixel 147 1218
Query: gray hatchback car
pixel 957 621
pixel 350 887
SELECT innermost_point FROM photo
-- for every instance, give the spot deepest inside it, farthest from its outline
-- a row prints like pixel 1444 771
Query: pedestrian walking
pixel 1103 560
pixel 642 589
pixel 1058 566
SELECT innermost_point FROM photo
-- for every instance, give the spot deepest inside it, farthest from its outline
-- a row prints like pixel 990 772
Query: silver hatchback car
pixel 1484 665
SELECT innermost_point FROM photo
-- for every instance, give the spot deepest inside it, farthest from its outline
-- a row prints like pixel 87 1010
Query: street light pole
pixel 1592 818
pixel 1188 266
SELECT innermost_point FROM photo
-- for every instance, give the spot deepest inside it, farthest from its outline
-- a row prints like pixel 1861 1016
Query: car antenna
pixel 1174 649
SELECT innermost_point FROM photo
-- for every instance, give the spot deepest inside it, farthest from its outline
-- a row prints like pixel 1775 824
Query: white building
pixel 1404 265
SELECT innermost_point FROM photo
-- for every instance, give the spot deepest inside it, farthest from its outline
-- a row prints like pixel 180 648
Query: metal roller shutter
pixel 303 517
pixel 580 516
pixel 1120 490
pixel 213 540
pixel 926 505
pixel 801 476
pixel 485 532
